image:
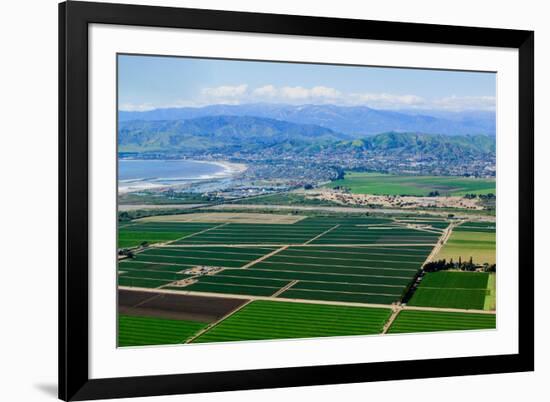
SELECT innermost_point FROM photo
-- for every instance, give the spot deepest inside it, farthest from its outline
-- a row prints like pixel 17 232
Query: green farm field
pixel 466 244
pixel 299 270
pixel 428 321
pixel 134 234
pixel 141 331
pixel 451 289
pixel 376 275
pixel 360 260
pixel 261 320
pixel 385 184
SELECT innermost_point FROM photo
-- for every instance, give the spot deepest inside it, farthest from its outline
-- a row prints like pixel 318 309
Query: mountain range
pixel 253 135
pixel 219 134
pixel 352 121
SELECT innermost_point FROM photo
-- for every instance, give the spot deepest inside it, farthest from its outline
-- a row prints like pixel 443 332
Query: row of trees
pixel 489 196
pixel 443 265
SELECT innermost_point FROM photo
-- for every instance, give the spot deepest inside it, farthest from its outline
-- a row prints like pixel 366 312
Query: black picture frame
pixel 74 18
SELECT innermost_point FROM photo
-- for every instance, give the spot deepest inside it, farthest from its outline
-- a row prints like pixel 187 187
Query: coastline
pixel 230 169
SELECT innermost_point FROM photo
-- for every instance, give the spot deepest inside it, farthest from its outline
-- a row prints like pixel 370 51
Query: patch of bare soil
pixel 172 306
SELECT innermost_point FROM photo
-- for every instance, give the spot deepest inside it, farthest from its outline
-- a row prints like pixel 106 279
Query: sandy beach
pixel 229 169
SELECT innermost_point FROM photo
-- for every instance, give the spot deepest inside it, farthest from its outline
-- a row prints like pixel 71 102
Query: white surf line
pixel 213 324
pixel 393 316
pixel 306 301
pixel 285 288
pixel 325 232
pixel 251 263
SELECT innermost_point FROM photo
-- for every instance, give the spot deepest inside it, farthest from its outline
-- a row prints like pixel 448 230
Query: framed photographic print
pixel 257 200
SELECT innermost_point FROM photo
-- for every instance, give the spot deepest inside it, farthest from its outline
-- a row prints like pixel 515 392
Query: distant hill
pixel 355 121
pixel 437 145
pixel 220 134
pixel 230 135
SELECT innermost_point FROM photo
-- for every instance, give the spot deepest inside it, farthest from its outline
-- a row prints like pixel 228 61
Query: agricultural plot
pixel 386 184
pixel 141 331
pixel 491 297
pixel 429 321
pixel 425 223
pixel 202 309
pixel 262 320
pixel 156 267
pixel 226 217
pixel 321 260
pixel 134 234
pixel 348 274
pixel 361 260
pixel 236 233
pixel 354 234
pixel 475 240
pixel 486 227
pixel 346 230
pixel 462 290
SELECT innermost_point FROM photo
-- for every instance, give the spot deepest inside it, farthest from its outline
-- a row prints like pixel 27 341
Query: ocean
pixel 135 173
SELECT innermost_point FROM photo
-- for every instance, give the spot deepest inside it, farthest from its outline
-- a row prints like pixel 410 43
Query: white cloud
pixel 385 101
pixel 457 103
pixel 266 91
pixel 325 92
pixel 238 94
pixel 293 93
pixel 225 91
pixel 130 107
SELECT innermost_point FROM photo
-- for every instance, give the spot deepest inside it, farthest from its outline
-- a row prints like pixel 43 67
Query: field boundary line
pixel 345 292
pixel 448 310
pixel 307 301
pixel 285 288
pixel 305 264
pixel 424 230
pixel 324 233
pixel 191 257
pixel 311 281
pixel 440 243
pixel 249 297
pixel 360 245
pixel 490 297
pixel 390 321
pixel 347 259
pixel 331 273
pixel 449 288
pixel 196 233
pixel 215 323
pixel 263 257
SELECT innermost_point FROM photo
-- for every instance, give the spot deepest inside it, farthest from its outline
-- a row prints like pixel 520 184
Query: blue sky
pixel 148 82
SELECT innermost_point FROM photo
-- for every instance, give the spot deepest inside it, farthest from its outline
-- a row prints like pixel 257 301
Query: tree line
pixel 444 265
